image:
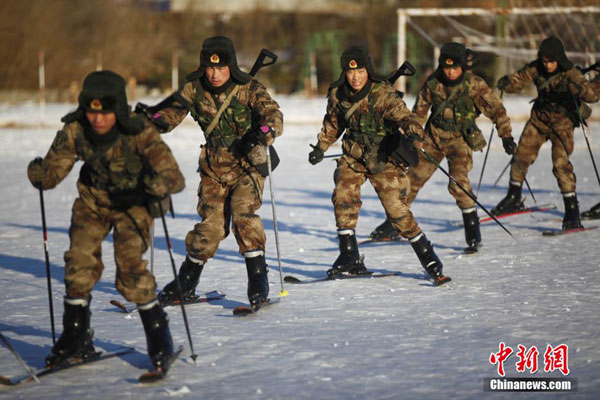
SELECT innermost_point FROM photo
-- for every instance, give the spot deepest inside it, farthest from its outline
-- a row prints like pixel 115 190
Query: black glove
pixel 36 172
pixel 315 156
pixel 503 82
pixel 156 119
pixel 263 133
pixel 509 145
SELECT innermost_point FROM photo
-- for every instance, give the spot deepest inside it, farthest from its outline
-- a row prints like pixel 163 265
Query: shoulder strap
pixel 442 105
pixel 549 81
pixel 222 109
pixel 356 105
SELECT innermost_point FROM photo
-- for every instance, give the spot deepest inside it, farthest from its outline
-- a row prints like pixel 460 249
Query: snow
pixel 388 338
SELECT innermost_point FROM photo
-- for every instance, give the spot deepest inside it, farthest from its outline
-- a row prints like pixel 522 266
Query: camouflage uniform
pixel 124 169
pixel 556 111
pixel 594 212
pixel 447 131
pixel 370 118
pixel 111 195
pixel 229 185
pixel 552 118
pixel 231 179
pixel 453 134
pixel 362 157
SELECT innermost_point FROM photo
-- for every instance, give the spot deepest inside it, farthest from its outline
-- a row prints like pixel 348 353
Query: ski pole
pixel 587 140
pixel 152 248
pixel 526 182
pixel 282 292
pixel 18 356
pixel 179 291
pixel 502 173
pixel 432 160
pixel 47 256
pixel 333 156
pixel 487 151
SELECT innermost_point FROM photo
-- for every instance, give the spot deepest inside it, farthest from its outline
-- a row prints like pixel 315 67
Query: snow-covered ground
pixel 389 338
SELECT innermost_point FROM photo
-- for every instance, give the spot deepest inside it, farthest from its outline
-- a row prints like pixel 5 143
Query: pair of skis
pixel 147 377
pixel 370 275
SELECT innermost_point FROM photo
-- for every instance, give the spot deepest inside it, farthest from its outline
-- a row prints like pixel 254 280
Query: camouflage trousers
pixel 391 185
pixel 454 148
pixel 218 204
pixel 131 236
pixel 559 130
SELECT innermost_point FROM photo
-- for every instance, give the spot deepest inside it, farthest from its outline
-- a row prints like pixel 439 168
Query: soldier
pixel 238 118
pixel 361 103
pixel 556 111
pixel 126 168
pixel 456 97
pixel 594 212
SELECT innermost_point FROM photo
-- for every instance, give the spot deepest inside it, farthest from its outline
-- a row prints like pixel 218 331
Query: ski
pixel 441 280
pixel 559 232
pixel 294 280
pixel 74 362
pixel 242 311
pixel 207 297
pixel 529 210
pixel 386 240
pixel 587 216
pixel 532 209
pixel 161 372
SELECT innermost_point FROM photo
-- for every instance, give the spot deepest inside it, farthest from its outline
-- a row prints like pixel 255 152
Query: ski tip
pixel 242 311
pixel 6 381
pixel 151 376
pixel 119 305
pixel 441 280
pixel 291 279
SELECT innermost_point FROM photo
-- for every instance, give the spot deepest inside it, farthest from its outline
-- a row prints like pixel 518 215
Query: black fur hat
pixel 453 55
pixel 553 49
pixel 218 51
pixel 356 57
pixel 104 92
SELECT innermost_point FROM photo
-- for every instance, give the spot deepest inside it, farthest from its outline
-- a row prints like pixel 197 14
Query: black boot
pixel 158 335
pixel 472 232
pixel 429 260
pixel 571 219
pixel 385 232
pixel 513 201
pixel 258 281
pixel 76 338
pixel 189 276
pixel 349 259
pixel 592 213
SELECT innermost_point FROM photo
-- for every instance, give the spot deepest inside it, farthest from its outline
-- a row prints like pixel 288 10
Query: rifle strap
pixel 221 110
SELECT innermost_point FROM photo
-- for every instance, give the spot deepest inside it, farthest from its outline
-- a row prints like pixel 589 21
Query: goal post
pixel 405 16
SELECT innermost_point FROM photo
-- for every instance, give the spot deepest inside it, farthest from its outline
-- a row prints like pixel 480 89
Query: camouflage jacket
pixel 595 86
pixel 376 119
pixel 250 108
pixel 471 97
pixel 554 96
pixel 112 174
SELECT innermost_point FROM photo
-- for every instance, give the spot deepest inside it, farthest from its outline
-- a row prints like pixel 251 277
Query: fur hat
pixel 453 55
pixel 553 49
pixel 356 57
pixel 104 92
pixel 218 51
